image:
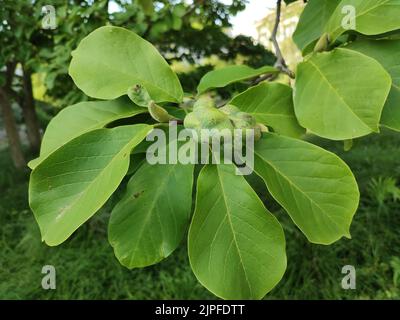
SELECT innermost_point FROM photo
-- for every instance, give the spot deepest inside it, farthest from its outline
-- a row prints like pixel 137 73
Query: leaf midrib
pixel 94 126
pixel 233 231
pixel 362 13
pixel 338 95
pixel 297 188
pixel 89 186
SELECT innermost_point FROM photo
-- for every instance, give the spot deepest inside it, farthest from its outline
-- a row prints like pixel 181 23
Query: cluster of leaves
pixel 178 30
pixel 236 246
pixel 355 76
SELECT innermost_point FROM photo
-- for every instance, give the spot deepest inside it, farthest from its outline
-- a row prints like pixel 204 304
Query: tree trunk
pixel 11 130
pixel 30 117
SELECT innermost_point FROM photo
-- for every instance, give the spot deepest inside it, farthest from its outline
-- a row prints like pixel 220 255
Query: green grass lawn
pixel 87 269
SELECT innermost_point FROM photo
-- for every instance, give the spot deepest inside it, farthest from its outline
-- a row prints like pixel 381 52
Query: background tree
pixel 181 31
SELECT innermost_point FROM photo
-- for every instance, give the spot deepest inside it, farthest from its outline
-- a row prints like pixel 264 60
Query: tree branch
pixel 280 62
pixel 269 77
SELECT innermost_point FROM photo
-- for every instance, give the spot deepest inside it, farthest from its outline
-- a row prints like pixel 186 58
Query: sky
pixel 244 22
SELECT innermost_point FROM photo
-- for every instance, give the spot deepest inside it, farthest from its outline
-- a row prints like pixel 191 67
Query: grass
pixel 87 269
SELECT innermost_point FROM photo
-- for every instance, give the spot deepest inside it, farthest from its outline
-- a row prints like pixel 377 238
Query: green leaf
pixel 315 187
pixel 69 186
pixel 150 221
pixel 372 17
pixel 312 23
pixel 80 118
pixel 271 104
pixel 340 95
pixel 236 247
pixel 387 53
pixel 177 112
pixel 111 59
pixel 222 77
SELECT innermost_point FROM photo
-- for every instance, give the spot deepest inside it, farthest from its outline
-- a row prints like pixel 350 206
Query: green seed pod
pixel 204 101
pixel 191 121
pixel 242 120
pixel 323 43
pixel 262 127
pixel 213 118
pixel 229 109
pixel 206 116
pixel 139 95
pixel 159 113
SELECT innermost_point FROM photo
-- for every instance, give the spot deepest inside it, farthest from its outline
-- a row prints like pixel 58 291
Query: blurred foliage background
pixel 194 36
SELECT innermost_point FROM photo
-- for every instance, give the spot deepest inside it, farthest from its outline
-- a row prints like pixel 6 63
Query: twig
pixel 280 62
pixel 269 77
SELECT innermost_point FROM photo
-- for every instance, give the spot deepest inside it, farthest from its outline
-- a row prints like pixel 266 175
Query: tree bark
pixel 11 130
pixel 28 109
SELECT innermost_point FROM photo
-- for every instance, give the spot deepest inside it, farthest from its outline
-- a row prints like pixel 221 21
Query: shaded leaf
pixel 312 23
pixel 222 77
pixel 316 187
pixel 271 104
pixel 149 222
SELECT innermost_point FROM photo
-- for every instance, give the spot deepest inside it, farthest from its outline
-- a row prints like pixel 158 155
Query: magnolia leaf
pixel 312 23
pixel 371 17
pixel 236 247
pixel 111 59
pixel 70 185
pixel 271 104
pixel 315 187
pixel 176 112
pixel 151 219
pixel 340 94
pixel 222 77
pixel 387 53
pixel 80 118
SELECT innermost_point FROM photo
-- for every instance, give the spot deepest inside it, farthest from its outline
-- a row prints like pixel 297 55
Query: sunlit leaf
pixel 69 186
pixel 316 187
pixel 236 247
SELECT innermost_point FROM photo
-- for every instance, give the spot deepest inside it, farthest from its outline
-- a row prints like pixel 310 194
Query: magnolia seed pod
pixel 229 109
pixel 204 101
pixel 323 43
pixel 139 95
pixel 262 127
pixel 213 118
pixel 208 118
pixel 159 113
pixel 347 144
